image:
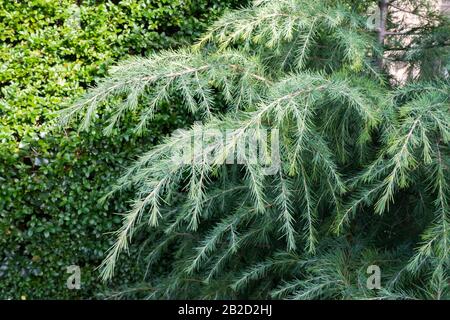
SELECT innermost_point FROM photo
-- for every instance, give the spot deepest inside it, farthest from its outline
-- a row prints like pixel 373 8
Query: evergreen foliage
pixel 364 175
pixel 50 182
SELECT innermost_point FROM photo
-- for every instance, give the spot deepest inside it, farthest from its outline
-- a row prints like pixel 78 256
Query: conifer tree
pixel 363 176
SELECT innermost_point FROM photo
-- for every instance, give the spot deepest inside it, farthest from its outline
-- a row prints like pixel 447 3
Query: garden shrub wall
pixel 51 181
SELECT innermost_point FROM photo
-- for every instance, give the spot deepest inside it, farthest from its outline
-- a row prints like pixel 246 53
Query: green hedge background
pixel 50 182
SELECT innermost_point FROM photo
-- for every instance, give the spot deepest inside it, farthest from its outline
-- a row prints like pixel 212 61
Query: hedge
pixel 50 182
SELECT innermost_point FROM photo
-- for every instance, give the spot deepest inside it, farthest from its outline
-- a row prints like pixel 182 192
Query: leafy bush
pixel 50 183
pixel 363 177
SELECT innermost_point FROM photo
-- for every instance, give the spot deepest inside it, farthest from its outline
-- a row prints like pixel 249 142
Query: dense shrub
pixel 50 183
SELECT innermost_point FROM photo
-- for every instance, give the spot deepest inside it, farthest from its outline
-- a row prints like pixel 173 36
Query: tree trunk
pixel 383 6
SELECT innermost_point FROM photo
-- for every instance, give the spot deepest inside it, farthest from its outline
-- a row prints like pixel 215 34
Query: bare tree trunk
pixel 383 6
